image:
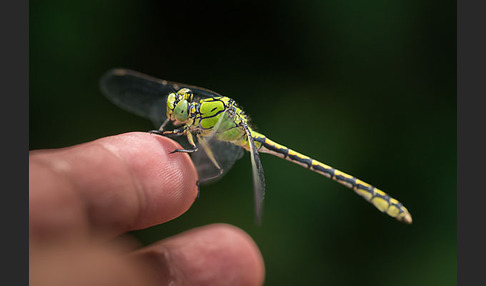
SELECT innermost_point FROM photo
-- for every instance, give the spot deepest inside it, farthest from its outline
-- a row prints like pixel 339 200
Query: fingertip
pixel 166 182
pixel 217 254
pixel 242 251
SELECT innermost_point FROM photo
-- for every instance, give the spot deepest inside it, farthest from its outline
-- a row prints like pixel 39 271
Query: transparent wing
pixel 143 95
pixel 225 154
pixel 258 177
pixel 216 157
pixel 227 122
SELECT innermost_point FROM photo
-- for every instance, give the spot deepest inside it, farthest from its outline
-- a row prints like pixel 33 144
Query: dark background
pixel 368 87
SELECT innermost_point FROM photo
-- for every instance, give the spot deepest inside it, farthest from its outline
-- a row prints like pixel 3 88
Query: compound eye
pixel 181 110
pixel 170 101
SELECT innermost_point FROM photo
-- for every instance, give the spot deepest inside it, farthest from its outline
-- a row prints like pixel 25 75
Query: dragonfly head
pixel 178 105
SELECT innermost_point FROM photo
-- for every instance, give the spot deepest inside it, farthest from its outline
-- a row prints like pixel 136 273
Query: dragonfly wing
pixel 216 157
pixel 258 176
pixel 143 95
pixel 137 93
pixel 224 153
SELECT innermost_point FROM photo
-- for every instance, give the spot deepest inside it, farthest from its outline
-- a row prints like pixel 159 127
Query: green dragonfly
pixel 215 127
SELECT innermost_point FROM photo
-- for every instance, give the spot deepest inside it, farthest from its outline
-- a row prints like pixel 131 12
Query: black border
pixel 14 69
pixel 471 142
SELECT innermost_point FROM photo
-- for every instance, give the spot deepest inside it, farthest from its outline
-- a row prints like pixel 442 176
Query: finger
pixel 113 184
pixel 77 263
pixel 211 255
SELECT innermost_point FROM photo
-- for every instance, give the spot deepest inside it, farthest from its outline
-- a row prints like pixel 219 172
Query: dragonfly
pixel 216 132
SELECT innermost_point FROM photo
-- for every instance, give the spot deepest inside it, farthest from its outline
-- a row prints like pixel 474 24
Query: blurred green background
pixel 368 87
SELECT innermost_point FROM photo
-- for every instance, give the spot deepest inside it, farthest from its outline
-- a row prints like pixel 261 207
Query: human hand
pixel 82 197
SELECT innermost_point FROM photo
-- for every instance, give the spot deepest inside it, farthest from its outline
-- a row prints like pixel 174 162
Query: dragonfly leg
pixel 175 132
pixel 191 141
pixel 178 132
pixel 210 154
pixel 160 131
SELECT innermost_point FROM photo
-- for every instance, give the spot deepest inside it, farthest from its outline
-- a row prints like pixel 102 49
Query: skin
pixel 82 199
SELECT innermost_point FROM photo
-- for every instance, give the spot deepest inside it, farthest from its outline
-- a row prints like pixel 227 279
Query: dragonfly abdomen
pixel 381 200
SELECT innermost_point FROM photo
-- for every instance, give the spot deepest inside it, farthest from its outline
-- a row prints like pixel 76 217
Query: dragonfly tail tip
pixel 407 219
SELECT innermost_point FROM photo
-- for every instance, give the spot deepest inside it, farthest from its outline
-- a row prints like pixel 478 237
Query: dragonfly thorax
pixel 178 105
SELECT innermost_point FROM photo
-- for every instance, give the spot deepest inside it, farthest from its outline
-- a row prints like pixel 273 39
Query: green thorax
pixel 222 116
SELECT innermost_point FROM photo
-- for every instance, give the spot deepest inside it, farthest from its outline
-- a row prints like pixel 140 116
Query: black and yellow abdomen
pixel 381 200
